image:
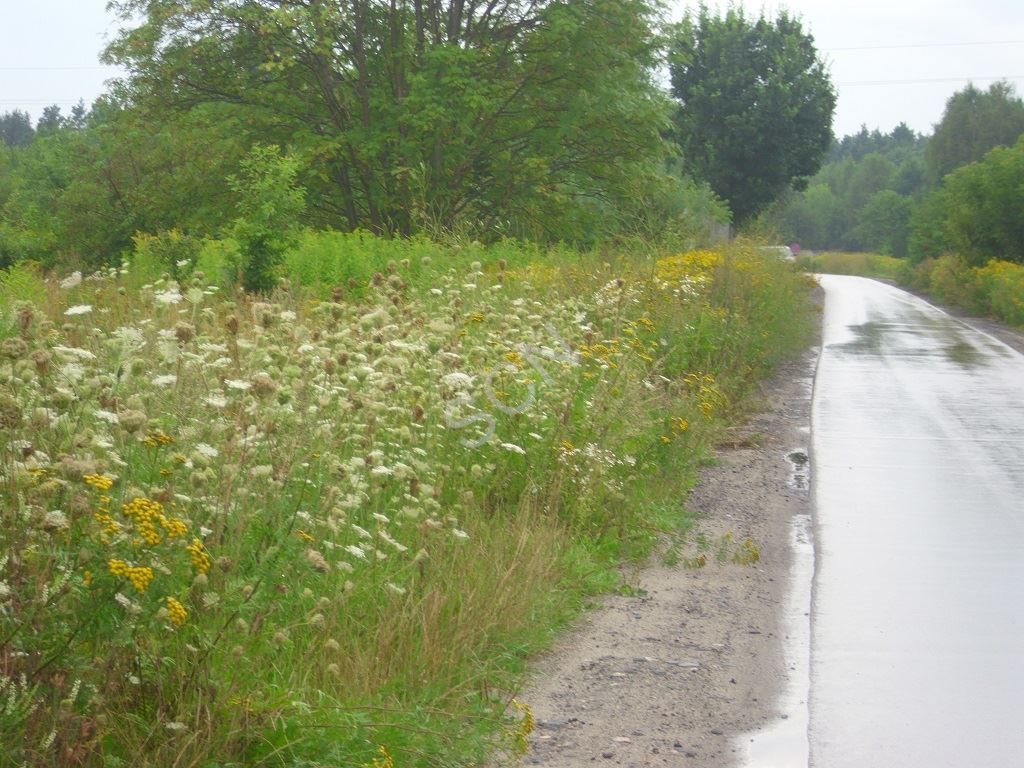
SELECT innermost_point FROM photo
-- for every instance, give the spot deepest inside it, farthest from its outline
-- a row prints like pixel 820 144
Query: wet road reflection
pixel 917 636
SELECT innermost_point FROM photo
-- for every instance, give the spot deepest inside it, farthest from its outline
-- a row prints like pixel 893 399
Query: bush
pixel 1000 284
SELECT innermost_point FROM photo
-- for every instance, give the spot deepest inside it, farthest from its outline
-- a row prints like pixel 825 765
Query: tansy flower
pixel 200 558
pixel 176 612
pixel 100 482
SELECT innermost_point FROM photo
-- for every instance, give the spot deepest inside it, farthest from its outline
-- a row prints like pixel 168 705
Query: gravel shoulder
pixel 675 673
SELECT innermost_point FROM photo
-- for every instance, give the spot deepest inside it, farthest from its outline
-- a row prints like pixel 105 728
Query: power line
pixel 924 45
pixel 57 69
pixel 915 81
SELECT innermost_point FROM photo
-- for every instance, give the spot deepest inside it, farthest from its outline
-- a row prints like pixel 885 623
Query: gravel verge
pixel 675 672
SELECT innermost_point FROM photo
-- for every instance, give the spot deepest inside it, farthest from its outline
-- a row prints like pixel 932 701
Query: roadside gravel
pixel 676 672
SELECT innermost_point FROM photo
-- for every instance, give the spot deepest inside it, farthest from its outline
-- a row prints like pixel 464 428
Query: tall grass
pixel 843 263
pixel 327 527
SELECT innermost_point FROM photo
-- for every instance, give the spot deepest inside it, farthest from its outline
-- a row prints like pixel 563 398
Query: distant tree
pixel 928 236
pixel 910 176
pixel 16 129
pixel 983 204
pixel 974 122
pixel 883 224
pixel 809 218
pixel 872 174
pixel 79 115
pixel 50 121
pixel 755 105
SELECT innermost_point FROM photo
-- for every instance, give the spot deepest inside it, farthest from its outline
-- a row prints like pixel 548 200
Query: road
pixel 917 621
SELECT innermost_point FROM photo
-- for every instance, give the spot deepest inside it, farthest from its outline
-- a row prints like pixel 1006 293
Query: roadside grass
pixel 329 526
pixel 844 263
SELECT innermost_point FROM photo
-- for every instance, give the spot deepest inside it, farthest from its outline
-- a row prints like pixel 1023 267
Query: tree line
pixel 904 194
pixel 545 120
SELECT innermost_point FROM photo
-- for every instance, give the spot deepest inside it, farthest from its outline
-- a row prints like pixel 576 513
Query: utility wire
pixel 923 45
pixel 56 69
pixel 915 81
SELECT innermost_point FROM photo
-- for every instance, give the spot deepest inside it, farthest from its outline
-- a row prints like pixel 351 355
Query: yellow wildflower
pixel 157 438
pixel 100 482
pixel 176 612
pixel 382 760
pixel 139 575
pixel 199 556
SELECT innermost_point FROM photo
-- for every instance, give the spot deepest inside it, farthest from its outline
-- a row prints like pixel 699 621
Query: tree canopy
pixel 755 105
pixel 424 113
pixel 974 122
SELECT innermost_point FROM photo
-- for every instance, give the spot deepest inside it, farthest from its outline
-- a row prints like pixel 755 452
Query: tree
pixel 16 128
pixel 419 114
pixel 755 105
pixel 883 224
pixel 269 203
pixel 50 121
pixel 983 202
pixel 974 122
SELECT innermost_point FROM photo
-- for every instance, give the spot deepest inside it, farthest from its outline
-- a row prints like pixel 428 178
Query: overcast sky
pixel 892 60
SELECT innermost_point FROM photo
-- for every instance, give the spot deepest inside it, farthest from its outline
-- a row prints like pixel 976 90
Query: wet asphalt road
pixel 917 623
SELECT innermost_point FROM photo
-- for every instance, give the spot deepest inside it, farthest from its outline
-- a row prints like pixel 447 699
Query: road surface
pixel 917 622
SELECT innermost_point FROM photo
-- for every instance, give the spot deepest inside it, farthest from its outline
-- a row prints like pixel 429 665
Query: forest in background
pixel 903 194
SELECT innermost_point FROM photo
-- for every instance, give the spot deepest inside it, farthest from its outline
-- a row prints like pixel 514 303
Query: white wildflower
pixel 170 296
pixel 237 384
pixel 396 589
pixel 460 534
pixel 74 353
pixel 216 401
pixel 355 551
pixel 207 451
pixel 72 371
pixel 398 547
pixel 176 727
pixel 380 518
pixel 108 416
pixel 457 380
pixel 165 380
pixel 71 281
pixel 381 470
pixel 513 448
pixel 130 337
pixel 78 309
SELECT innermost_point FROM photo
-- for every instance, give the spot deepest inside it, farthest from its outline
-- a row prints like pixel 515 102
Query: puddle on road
pixel 800 469
pixel 962 353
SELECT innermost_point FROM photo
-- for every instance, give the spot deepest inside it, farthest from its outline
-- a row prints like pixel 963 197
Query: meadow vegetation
pixel 326 526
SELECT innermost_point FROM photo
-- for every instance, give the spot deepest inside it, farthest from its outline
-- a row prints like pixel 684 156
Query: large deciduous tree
pixel 408 112
pixel 755 105
pixel 974 122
